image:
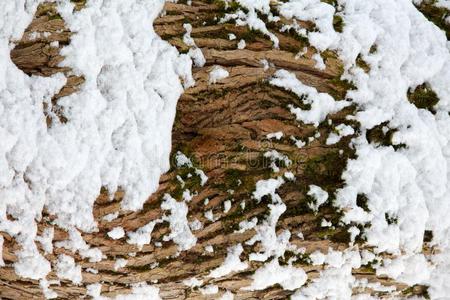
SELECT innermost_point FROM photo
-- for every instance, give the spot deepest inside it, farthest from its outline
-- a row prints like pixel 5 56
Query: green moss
pixel 428 236
pixel 325 233
pixel 326 170
pixel 215 93
pixel 251 35
pixel 368 269
pixel 423 97
pixel 340 86
pixel 234 6
pixel 238 180
pixel 297 209
pixel 298 259
pixel 437 15
pixel 362 201
pixel 390 219
pixel 379 135
pixel 362 64
pixel 416 290
pixel 303 39
pixel 341 235
pixel 338 23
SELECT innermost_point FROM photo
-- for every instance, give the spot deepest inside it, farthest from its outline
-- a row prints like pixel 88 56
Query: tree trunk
pixel 223 128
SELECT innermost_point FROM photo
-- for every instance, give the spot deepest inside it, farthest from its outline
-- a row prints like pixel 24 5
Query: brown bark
pixel 223 128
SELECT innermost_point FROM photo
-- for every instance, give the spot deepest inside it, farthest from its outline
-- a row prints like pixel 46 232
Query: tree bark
pixel 222 127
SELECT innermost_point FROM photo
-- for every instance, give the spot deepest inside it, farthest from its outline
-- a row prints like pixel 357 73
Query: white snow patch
pixel 289 277
pixel 341 131
pixel 120 263
pixel 210 289
pixel 322 104
pixel 119 124
pixel 180 232
pixel 192 282
pixel 141 291
pixel 231 264
pixel 67 269
pixel 320 196
pixel 241 44
pixel 143 235
pixel 275 135
pixel 217 73
pixel 116 233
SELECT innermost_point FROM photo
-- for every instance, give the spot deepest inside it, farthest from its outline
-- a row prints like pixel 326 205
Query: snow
pixel 443 3
pixel 210 289
pixel 187 196
pixel 31 264
pixel 187 39
pixel 298 143
pixel 94 290
pixel 110 217
pixel 118 134
pixel 76 243
pixel 46 240
pixel 197 57
pixel 319 195
pixel 410 184
pixel 48 293
pixel 320 65
pixel 241 44
pixel 231 264
pixel 247 225
pixel 202 175
pixel 195 225
pixel 210 215
pixel 217 73
pixel 120 263
pixel 182 160
pixel 67 269
pixel 341 131
pixel 320 13
pixel 180 232
pixel 336 280
pixel 141 291
pixel 275 156
pixel 116 233
pixel 322 104
pixel 251 18
pixel 272 244
pixel 194 52
pixel 119 124
pixel 289 277
pixel 192 282
pixel 275 135
pixel 226 206
pixel 267 187
pixel 227 296
pixel 289 176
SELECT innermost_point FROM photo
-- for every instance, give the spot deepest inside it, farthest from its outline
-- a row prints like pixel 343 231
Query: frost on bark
pixel 223 129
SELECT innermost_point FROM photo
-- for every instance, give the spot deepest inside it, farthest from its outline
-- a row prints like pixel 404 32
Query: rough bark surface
pixel 222 127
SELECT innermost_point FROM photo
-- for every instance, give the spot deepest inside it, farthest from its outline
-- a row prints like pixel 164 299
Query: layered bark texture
pixel 223 129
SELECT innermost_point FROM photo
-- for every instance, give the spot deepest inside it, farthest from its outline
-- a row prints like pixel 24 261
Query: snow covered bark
pixel 237 127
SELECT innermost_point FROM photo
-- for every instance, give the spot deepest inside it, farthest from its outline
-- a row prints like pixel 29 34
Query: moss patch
pixel 423 97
